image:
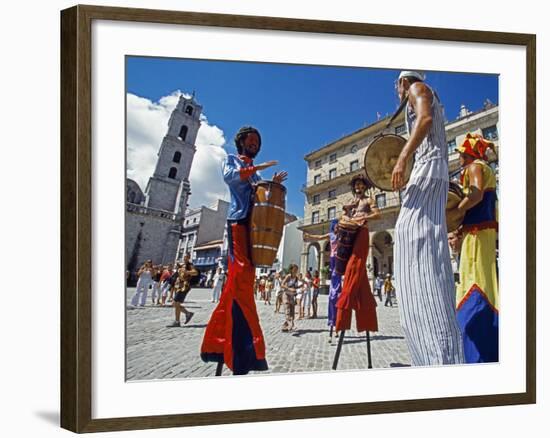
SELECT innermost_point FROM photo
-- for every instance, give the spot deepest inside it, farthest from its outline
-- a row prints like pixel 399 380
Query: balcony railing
pixel 204 261
pixel 323 219
pixel 148 211
pixel 326 180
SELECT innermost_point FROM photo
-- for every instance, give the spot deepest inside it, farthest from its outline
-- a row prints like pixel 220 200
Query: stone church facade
pixel 154 218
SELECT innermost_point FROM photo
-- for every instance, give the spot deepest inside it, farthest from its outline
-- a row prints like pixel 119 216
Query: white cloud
pixel 146 126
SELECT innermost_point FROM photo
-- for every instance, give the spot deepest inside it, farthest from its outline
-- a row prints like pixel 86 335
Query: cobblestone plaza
pixel 157 352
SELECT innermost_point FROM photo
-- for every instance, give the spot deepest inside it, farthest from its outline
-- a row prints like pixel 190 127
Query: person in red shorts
pixel 233 335
pixel 356 294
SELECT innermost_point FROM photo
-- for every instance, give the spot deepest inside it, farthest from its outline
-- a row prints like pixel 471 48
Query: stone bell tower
pixel 168 189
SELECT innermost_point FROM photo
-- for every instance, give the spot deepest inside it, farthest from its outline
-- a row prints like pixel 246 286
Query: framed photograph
pixel 189 140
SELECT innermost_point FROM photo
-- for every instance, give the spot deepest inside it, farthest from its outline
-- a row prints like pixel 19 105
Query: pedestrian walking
pixel 267 292
pixel 182 288
pixel 209 279
pixel 315 293
pixel 261 288
pixel 378 283
pixel 277 287
pixel 218 282
pixel 155 289
pixel 388 290
pixel 165 283
pixel 145 279
pixel 300 295
pixel 307 296
pixel 290 285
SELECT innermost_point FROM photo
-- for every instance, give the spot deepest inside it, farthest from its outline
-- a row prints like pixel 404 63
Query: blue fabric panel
pixel 484 211
pixel 244 356
pixel 478 323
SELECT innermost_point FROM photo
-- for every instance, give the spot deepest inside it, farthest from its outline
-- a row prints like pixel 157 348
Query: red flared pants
pixel 356 292
pixel 233 334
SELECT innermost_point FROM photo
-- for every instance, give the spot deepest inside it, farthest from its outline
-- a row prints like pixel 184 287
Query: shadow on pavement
pixel 358 339
pixel 300 332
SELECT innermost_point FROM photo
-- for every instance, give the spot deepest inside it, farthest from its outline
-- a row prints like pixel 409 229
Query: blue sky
pixel 296 108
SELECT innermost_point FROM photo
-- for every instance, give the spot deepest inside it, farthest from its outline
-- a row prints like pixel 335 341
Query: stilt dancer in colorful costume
pixel 356 292
pixel 477 296
pixel 233 335
pixel 335 278
pixel 422 268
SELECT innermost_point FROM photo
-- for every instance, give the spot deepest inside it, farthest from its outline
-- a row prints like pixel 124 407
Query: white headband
pixel 412 73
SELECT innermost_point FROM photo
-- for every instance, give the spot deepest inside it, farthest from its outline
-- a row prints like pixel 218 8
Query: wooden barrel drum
pixel 453 199
pixel 266 222
pixel 380 158
pixel 347 232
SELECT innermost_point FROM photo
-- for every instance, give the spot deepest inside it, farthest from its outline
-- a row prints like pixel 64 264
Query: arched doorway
pixel 313 257
pixel 382 243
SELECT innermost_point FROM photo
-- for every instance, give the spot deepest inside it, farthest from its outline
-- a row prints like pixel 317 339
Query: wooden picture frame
pixel 76 217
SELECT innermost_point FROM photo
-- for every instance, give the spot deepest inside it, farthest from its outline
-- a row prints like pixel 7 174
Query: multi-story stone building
pixel 203 233
pixel 331 167
pixel 154 218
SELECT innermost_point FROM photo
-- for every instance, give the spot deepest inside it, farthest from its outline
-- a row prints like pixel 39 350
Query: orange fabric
pixel 475 146
pixel 476 288
pixel 239 287
pixel 247 172
pixel 356 293
pixel 474 228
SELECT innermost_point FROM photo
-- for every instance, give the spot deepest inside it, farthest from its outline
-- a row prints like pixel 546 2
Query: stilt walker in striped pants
pixel 423 272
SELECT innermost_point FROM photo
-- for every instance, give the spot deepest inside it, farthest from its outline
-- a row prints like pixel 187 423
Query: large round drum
pixel 347 232
pixel 380 158
pixel 453 199
pixel 266 222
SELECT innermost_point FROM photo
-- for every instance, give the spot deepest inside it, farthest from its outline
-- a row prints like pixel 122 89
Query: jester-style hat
pixel 475 146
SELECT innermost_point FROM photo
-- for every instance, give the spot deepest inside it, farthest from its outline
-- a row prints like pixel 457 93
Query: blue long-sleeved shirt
pixel 239 176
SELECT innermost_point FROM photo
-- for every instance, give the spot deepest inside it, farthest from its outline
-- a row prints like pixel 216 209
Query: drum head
pixel 268 184
pixel 380 158
pixel 453 199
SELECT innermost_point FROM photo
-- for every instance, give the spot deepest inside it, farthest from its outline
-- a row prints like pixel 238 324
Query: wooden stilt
pixel 219 369
pixel 338 350
pixel 369 358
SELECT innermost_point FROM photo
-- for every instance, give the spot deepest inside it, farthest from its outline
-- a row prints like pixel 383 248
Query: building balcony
pixel 148 211
pixel 321 225
pixel 327 182
pixel 206 261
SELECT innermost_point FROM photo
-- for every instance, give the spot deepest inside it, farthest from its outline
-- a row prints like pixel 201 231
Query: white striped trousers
pixel 424 277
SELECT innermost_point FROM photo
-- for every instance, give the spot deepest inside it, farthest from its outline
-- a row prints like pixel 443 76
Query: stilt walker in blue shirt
pixel 233 335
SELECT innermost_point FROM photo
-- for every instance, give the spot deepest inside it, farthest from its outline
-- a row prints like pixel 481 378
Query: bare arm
pixel 475 174
pixel 421 98
pixel 375 213
pixel 193 271
pixel 308 237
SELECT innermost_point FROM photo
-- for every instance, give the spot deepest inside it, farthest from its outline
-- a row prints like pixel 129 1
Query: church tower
pixel 168 189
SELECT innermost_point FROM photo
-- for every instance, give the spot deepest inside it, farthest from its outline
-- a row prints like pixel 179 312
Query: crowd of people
pixel 169 285
pixel 295 294
pixel 291 290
